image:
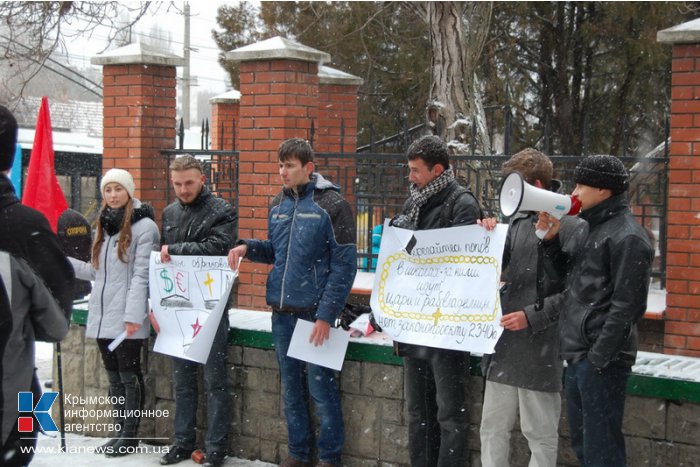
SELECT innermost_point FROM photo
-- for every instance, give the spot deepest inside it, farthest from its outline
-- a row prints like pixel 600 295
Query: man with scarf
pixel 435 379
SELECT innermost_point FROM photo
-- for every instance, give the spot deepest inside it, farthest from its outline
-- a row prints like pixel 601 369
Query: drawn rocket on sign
pixel 173 286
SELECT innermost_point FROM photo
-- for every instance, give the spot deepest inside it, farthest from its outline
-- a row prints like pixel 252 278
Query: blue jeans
pixel 218 401
pixel 299 379
pixel 437 413
pixel 595 403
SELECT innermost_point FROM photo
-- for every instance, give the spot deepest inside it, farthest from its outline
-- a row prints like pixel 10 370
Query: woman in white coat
pixel 126 235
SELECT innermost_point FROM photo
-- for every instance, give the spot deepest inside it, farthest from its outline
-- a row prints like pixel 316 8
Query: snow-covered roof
pixel 233 95
pixel 137 53
pixel 328 75
pixel 73 115
pixel 686 33
pixel 64 141
pixel 278 47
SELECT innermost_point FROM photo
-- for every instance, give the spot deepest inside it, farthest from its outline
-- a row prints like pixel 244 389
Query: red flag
pixel 41 189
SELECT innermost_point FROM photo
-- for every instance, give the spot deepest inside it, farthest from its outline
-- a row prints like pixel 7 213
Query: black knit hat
pixel 602 172
pixel 8 138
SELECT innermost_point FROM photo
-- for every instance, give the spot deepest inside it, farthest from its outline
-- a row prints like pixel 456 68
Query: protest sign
pixel 439 287
pixel 186 295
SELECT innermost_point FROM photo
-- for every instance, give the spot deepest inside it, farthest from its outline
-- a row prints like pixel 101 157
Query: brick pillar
pixel 279 100
pixel 337 102
pixel 139 116
pixel 336 127
pixel 682 325
pixel 225 110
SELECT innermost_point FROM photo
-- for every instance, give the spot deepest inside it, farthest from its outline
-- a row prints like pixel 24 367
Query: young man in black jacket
pixel 530 386
pixel 199 223
pixel 26 233
pixel 435 379
pixel 606 295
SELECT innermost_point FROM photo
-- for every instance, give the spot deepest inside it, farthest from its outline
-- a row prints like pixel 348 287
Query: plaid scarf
pixel 419 197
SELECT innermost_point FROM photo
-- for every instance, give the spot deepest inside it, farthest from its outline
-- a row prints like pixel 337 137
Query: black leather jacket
pixel 607 287
pixel 207 226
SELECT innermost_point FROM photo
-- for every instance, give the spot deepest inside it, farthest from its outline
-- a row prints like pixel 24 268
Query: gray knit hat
pixel 602 171
pixel 121 177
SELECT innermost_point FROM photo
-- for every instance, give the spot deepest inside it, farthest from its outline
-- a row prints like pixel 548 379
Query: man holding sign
pixel 199 223
pixel 311 244
pixel 435 379
pixel 530 386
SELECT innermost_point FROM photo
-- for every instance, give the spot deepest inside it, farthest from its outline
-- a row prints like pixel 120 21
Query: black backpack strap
pixel 448 207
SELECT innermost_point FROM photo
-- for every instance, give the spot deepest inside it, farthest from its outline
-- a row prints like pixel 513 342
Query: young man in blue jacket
pixel 311 245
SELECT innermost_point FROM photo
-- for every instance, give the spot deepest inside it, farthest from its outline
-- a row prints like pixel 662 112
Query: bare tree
pixel 458 31
pixel 32 31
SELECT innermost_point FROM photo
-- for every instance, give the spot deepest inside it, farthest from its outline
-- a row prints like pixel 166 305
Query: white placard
pixel 117 340
pixel 185 297
pixel 440 287
pixel 330 355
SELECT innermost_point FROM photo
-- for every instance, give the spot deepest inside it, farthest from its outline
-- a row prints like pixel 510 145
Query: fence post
pixel 342 135
pixel 233 134
pixel 181 134
pixel 508 130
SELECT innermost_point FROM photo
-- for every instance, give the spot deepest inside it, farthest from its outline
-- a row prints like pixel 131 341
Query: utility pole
pixel 186 70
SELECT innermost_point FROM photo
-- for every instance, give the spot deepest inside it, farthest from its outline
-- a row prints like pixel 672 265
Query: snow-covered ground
pixel 80 453
pixel 80 449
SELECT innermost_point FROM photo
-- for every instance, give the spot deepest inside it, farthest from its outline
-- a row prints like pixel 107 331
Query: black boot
pixel 117 394
pixel 133 388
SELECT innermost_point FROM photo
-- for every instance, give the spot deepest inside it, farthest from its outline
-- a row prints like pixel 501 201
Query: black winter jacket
pixel 529 358
pixel 26 233
pixel 607 287
pixel 465 210
pixel 206 227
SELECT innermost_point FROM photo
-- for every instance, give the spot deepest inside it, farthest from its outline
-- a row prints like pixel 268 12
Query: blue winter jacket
pixel 311 243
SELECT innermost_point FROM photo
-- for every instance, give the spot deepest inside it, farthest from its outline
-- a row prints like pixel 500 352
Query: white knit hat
pixel 121 177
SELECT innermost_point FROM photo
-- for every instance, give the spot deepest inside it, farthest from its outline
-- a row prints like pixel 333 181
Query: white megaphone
pixel 518 195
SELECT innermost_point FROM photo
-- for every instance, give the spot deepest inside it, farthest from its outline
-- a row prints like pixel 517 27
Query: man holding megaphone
pixel 606 295
pixel 524 373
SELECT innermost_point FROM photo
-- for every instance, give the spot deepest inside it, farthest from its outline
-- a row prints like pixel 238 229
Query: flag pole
pixel 61 415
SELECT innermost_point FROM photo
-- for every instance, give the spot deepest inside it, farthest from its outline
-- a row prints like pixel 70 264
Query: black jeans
pixel 437 413
pixel 126 357
pixel 595 403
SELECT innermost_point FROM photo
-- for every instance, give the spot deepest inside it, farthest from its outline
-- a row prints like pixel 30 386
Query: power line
pixel 49 59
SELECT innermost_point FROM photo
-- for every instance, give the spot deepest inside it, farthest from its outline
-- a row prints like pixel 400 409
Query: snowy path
pixel 80 449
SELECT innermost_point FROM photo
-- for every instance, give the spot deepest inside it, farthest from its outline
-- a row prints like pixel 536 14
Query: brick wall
pixel 224 118
pixel 336 104
pixel 658 431
pixel 682 325
pixel 139 121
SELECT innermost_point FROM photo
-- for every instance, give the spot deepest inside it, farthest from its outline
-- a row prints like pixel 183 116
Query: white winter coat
pixel 120 290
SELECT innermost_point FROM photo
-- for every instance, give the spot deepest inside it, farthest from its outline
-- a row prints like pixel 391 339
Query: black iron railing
pixel 377 185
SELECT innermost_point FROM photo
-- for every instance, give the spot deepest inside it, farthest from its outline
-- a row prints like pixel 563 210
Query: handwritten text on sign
pixel 186 297
pixel 440 287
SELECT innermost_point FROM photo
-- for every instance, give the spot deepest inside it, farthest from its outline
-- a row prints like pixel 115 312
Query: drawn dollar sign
pixel 167 282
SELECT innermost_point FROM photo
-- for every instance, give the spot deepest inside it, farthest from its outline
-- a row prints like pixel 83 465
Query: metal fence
pixel 377 185
pixel 220 169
